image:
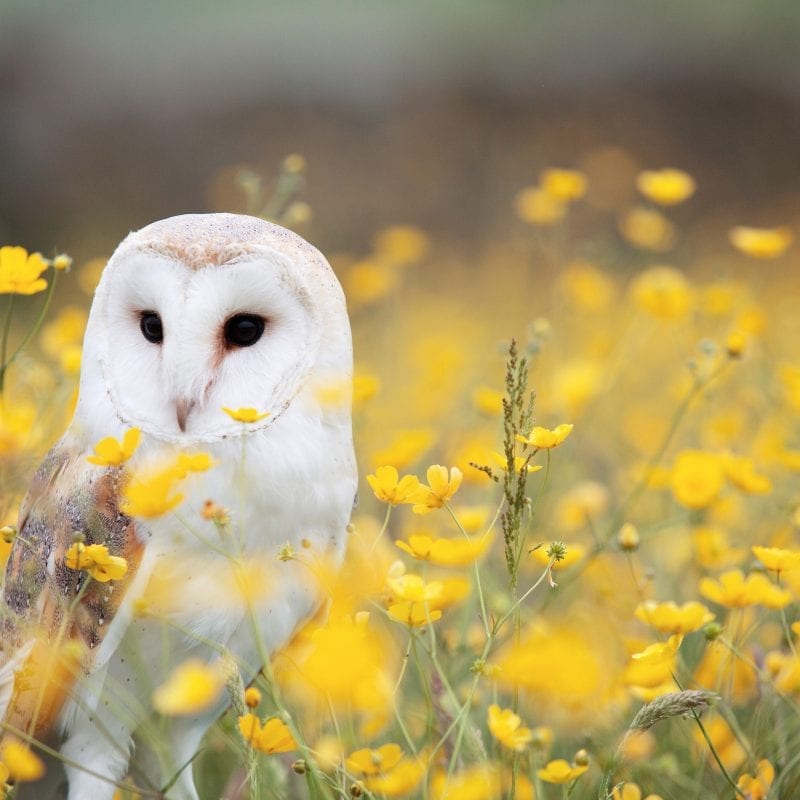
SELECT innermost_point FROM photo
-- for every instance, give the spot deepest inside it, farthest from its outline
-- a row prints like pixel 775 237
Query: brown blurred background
pixel 115 114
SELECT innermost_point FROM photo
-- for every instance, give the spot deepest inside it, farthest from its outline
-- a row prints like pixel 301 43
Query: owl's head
pixel 201 311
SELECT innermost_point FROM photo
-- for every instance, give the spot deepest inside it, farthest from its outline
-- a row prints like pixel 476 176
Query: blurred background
pixel 115 114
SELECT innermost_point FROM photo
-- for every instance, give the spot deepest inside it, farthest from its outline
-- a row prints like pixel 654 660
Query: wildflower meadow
pixel 574 566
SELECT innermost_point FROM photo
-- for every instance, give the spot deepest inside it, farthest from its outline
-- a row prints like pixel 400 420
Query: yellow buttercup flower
pixel 151 494
pixel 390 488
pixel 401 780
pixel 445 552
pixel 192 462
pixel 110 452
pixel 631 791
pixel 663 292
pixel 565 185
pixel 536 206
pixel 272 737
pixel 761 242
pixel 405 449
pixel 488 401
pixel 246 415
pixel 587 287
pixel 776 559
pixel 22 763
pixel 660 652
pixel 507 728
pixel 19 272
pixel 544 438
pixel 401 244
pixel 96 560
pixel 756 787
pixel 441 487
pixel 367 762
pixel 671 618
pixel 667 187
pixel 732 590
pixel 741 472
pixel 648 229
pixel 697 478
pixel 560 771
pixel 192 687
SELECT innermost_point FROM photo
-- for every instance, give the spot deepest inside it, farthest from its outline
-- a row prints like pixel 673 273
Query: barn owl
pixel 193 314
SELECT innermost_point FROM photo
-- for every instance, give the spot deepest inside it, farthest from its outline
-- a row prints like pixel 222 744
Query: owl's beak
pixel 183 407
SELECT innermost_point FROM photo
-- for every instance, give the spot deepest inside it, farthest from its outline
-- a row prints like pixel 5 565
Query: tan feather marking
pixel 62 611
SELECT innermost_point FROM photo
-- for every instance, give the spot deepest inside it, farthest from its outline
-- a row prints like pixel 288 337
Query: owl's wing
pixel 54 619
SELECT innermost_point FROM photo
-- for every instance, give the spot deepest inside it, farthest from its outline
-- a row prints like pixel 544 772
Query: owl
pixel 193 314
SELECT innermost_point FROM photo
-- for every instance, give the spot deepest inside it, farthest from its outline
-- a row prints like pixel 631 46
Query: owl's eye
pixel 151 327
pixel 243 330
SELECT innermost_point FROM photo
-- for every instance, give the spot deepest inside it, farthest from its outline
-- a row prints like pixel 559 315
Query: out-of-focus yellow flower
pixel 151 493
pixel 192 687
pixel 560 771
pixel 89 274
pixel 713 550
pixel 730 752
pixel 252 697
pixel 192 462
pixel 401 780
pixel 390 488
pixel 401 244
pixel 488 401
pixel 582 503
pixel 64 331
pixel 362 657
pixel 20 273
pixel 22 763
pixel 17 426
pixel 96 560
pixel 62 262
pixel 479 782
pixel 445 552
pixel 776 559
pixel 272 737
pixel 544 438
pixel 757 787
pixel 663 292
pixel 667 187
pixel 587 287
pixel 365 387
pixel 536 206
pixel 507 728
pixel 732 590
pixel 366 762
pixel 648 229
pixel 637 746
pixel 405 449
pixel 761 242
pixel 741 472
pixel 735 344
pixel 110 452
pixel 245 414
pixel 631 791
pixel 697 478
pixel 575 383
pixel 564 184
pixel 366 282
pixel 671 618
pixel 573 554
pixel 442 485
pixel 70 359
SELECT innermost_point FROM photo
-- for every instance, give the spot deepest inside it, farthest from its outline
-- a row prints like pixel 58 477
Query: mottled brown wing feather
pixel 56 616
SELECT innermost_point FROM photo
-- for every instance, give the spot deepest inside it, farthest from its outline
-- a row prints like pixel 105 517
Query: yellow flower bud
pixel 628 537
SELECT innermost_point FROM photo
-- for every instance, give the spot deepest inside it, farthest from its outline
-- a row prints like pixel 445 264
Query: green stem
pixel 716 756
pixel 4 346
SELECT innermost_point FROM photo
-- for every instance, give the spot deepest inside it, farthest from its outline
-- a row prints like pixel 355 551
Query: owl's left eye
pixel 243 330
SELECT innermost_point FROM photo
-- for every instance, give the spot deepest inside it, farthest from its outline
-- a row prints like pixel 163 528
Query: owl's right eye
pixel 151 327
